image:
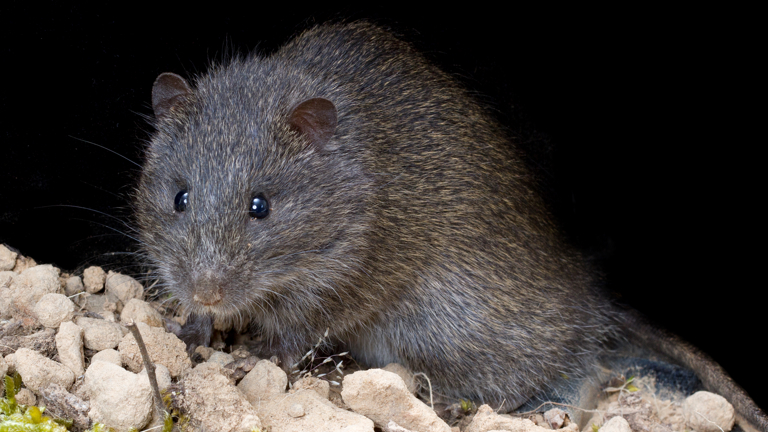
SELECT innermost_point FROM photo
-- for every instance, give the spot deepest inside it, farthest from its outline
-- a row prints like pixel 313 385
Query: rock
pixel 7 258
pixel 162 374
pixel 487 420
pixel 322 388
pixel 26 397
pixel 141 311
pixel 108 315
pixel 37 371
pixel 405 374
pixel 616 424
pixel 205 352
pixel 93 279
pixel 69 345
pixel 394 427
pixel 241 367
pixel 43 342
pixel 31 285
pixel 305 410
pixel 221 358
pixel 383 396
pixel 121 288
pixel 23 263
pixel 212 400
pixel 164 348
pixel 109 356
pixel 119 398
pixel 3 367
pixel 6 279
pixel 296 410
pixel 99 334
pixel 92 302
pixel 265 380
pixel 239 352
pixel 62 404
pixel 10 363
pixel 53 309
pixel 73 285
pixel 555 418
pixel 708 412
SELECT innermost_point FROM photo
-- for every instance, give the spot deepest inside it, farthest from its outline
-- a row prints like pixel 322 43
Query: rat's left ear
pixel 315 119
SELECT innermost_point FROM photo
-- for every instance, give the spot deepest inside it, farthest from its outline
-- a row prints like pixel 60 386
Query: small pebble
pixel 296 410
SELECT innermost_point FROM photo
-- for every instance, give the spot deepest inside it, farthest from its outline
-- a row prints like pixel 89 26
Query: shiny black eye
pixel 181 201
pixel 259 208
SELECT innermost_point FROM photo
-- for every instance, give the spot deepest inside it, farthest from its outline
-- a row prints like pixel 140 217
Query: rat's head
pixel 249 202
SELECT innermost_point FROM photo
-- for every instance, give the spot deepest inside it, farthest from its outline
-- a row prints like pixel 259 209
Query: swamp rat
pixel 345 183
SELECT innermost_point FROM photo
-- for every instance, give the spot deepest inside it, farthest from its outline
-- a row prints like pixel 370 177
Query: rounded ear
pixel 316 120
pixel 168 91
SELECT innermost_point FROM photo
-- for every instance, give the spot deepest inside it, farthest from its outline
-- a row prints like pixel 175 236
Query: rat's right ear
pixel 168 90
pixel 315 119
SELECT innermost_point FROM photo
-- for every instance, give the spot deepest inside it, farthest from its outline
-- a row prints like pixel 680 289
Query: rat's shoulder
pixel 342 45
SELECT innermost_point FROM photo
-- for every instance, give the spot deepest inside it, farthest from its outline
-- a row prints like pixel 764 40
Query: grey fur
pixel 414 234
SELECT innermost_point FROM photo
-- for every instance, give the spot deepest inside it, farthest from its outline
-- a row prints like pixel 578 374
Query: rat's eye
pixel 259 208
pixel 181 201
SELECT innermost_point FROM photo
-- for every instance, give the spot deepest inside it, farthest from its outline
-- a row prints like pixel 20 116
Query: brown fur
pixel 413 232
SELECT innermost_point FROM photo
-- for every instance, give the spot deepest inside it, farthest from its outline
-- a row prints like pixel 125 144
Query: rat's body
pixel 400 218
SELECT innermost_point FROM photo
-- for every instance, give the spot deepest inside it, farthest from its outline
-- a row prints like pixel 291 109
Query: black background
pixel 637 121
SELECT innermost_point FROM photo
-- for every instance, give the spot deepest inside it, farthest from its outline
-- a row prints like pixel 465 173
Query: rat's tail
pixel 711 374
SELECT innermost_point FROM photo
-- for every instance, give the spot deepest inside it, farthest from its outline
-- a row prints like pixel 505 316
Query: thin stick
pixel 149 366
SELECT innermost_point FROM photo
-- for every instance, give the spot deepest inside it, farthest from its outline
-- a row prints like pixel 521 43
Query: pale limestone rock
pixel 7 258
pixel 121 288
pixel 296 410
pixel 383 396
pixel 23 263
pixel 616 424
pixel 37 371
pixel 162 374
pixel 108 315
pixel 119 398
pixel 487 420
pixel 69 345
pixel 3 367
pixel 394 427
pixel 215 404
pixel 99 334
pixel 221 358
pixel 708 412
pixel 53 309
pixel 405 374
pixel 31 285
pixel 305 410
pixel 109 356
pixel 163 347
pixel 321 387
pixel 205 352
pixel 73 285
pixel 141 311
pixel 6 279
pixel 93 279
pixel 92 302
pixel 265 380
pixel 10 363
pixel 26 397
pixel 555 418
